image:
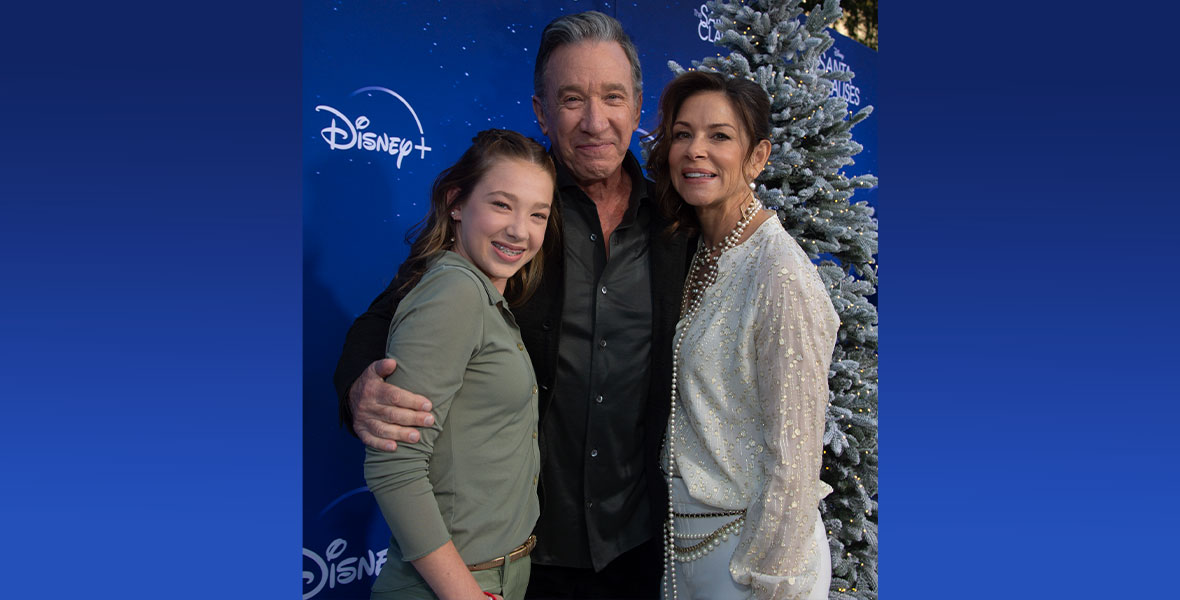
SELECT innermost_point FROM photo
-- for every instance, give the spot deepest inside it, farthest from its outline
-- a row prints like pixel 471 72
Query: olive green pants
pixel 508 580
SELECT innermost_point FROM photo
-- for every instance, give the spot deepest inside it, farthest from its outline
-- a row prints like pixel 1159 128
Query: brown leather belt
pixel 521 551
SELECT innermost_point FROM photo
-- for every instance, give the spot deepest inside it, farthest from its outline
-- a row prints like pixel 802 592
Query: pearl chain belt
pixel 708 541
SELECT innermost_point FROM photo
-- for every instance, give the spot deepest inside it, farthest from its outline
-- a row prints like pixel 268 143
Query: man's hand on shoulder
pixel 384 414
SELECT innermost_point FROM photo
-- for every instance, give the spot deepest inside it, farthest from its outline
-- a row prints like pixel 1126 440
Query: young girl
pixel 462 501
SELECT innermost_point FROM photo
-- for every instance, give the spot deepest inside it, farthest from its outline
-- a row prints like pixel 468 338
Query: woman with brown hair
pixel 750 361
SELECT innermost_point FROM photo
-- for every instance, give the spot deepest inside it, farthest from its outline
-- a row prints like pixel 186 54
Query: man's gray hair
pixel 589 26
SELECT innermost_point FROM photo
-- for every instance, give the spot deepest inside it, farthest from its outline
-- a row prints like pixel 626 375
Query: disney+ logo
pixel 343 133
pixel 330 572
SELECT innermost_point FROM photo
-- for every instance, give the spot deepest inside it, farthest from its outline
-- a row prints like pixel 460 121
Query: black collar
pixel 639 184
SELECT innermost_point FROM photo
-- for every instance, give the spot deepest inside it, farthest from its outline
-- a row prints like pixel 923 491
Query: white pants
pixel 708 578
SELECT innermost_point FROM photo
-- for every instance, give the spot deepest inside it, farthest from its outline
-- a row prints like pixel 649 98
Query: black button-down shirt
pixel 593 431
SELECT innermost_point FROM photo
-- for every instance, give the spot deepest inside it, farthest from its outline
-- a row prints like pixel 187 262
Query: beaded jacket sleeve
pixel 754 377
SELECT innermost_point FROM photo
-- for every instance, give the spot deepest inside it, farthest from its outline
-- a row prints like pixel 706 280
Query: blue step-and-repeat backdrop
pixel 392 94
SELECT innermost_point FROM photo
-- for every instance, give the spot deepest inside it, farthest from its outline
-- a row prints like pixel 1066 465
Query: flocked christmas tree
pixel 772 43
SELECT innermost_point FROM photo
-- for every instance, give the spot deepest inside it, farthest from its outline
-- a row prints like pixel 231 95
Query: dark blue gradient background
pixel 150 314
pixel 1028 323
pixel 150 322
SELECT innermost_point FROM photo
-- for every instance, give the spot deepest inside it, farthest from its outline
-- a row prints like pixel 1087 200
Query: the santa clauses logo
pixel 841 89
pixel 706 25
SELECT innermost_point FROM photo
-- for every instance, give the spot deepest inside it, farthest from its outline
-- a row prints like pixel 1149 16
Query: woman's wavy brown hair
pixel 749 102
pixel 435 233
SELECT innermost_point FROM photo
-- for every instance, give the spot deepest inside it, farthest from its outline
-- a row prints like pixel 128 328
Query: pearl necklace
pixel 702 274
pixel 703 271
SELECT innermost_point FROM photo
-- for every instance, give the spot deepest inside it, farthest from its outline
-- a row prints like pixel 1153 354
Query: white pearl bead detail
pixel 702 274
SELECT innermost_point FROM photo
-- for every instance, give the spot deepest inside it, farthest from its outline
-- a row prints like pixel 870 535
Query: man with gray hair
pixel 598 330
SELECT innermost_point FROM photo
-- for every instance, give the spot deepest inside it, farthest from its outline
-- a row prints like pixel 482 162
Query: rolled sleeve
pixel 436 330
pixel 777 554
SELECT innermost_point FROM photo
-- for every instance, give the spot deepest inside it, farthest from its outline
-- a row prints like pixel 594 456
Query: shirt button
pixel 603 289
pixel 593 237
pixel 534 481
pixel 589 504
pixel 521 346
pixel 598 399
pixel 534 435
pixel 534 390
pixel 602 343
pixel 594 452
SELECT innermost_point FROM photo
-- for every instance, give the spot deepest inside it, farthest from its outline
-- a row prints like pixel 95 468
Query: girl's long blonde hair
pixel 435 233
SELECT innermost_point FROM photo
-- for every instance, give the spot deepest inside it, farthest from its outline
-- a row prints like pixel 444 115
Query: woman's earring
pixel 752 186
